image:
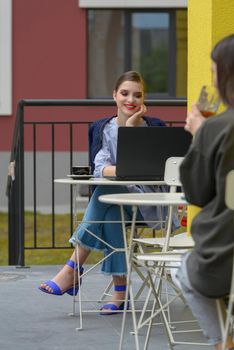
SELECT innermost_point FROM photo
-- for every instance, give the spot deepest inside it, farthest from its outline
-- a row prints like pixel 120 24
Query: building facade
pixel 57 49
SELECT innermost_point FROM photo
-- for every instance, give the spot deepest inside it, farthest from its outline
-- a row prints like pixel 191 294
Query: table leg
pixel 129 290
pixel 79 284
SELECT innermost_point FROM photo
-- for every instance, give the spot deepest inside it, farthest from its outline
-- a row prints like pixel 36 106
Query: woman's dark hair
pixel 129 76
pixel 223 56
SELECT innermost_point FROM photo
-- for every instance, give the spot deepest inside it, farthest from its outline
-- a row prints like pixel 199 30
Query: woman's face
pixel 129 97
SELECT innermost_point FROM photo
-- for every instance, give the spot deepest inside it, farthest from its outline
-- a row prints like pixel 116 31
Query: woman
pixel 205 273
pixel 129 97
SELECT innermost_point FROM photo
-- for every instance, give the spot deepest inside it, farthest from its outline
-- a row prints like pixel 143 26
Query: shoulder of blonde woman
pixel 194 120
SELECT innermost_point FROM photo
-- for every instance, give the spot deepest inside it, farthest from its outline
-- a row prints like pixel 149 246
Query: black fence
pixel 16 187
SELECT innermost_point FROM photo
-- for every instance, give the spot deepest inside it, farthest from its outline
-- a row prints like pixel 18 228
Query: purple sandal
pixel 113 307
pixel 57 290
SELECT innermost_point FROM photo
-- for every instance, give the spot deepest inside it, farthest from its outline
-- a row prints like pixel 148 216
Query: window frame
pixel 128 12
pixel 171 77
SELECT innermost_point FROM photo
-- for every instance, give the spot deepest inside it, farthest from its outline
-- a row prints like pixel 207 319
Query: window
pixel 151 42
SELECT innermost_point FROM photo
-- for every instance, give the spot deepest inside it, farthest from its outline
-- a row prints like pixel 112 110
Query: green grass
pixel 45 256
pixel 3 239
pixel 42 256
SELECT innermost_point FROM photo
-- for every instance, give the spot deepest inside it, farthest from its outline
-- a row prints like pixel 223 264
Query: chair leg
pixel 106 291
pixel 80 327
pixel 157 301
pixel 225 319
pixel 221 315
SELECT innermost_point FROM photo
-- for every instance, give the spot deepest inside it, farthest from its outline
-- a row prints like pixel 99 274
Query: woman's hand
pixel 194 120
pixel 136 118
pixel 109 170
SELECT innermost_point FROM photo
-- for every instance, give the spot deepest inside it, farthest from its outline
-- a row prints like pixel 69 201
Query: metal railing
pixel 16 187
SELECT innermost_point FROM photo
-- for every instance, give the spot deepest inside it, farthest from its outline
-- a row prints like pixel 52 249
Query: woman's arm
pixel 103 163
pixel 105 159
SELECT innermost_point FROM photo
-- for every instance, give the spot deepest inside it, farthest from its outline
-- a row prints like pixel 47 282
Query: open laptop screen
pixel 143 151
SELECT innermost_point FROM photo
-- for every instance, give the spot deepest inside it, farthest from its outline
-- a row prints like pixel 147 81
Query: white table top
pixel 144 199
pixel 104 181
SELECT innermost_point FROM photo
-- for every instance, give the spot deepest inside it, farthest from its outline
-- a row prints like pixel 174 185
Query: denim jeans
pixel 109 232
pixel 204 309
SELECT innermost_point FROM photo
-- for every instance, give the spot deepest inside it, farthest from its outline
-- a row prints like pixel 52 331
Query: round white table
pixel 97 182
pixel 94 181
pixel 167 198
pixel 135 200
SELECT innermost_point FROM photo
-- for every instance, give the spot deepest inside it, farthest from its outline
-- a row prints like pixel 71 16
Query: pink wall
pixel 50 61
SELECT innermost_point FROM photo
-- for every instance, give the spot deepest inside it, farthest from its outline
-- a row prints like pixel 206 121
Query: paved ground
pixel 34 320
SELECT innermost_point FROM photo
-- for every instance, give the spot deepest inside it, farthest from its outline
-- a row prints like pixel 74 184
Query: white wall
pixel 44 180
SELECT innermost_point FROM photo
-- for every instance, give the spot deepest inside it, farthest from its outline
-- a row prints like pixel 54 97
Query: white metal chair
pixel 172 179
pixel 226 314
pixel 158 262
pixel 180 241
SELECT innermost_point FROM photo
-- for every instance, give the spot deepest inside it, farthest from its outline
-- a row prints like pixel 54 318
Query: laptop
pixel 143 151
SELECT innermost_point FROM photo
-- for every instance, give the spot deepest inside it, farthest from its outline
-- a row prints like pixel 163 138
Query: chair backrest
pixel 229 190
pixel 172 171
